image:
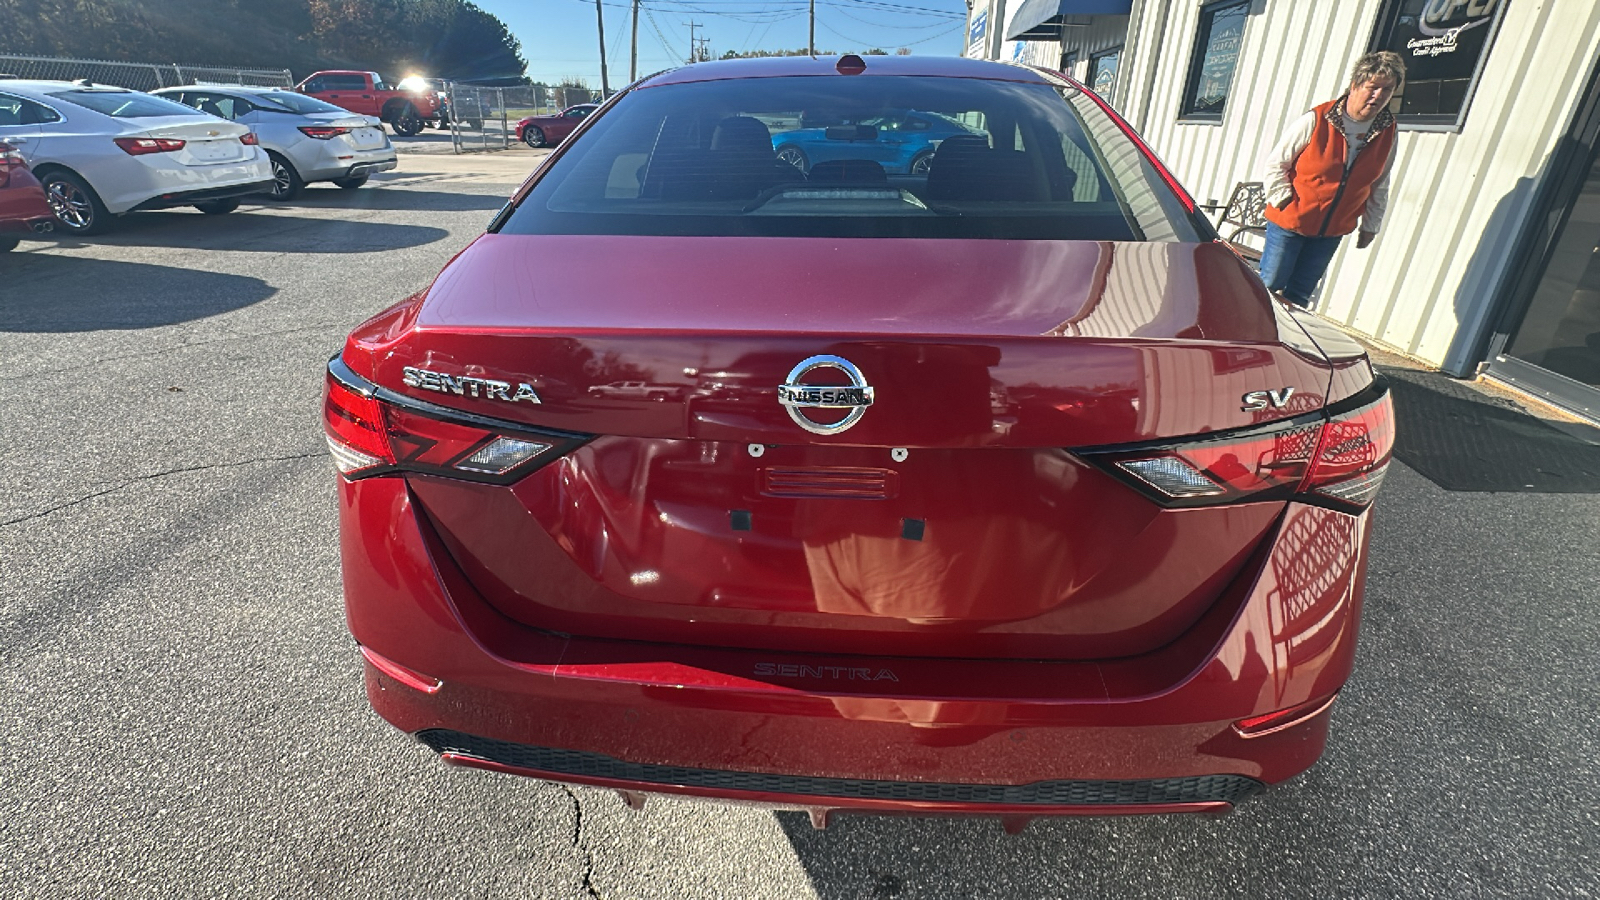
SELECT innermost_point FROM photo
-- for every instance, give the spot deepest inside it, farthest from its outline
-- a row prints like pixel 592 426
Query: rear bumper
pixel 987 737
pixel 367 168
pixel 41 225
pixel 328 166
pixel 189 198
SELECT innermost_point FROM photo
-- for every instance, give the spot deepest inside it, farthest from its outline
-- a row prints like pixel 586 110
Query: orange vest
pixel 1329 199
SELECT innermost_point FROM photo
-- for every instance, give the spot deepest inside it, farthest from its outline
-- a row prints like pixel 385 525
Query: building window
pixel 1444 44
pixel 1216 55
pixel 1069 64
pixel 1103 72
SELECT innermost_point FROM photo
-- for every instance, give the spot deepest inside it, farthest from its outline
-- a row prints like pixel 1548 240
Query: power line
pixel 958 26
pixel 881 4
pixel 841 11
pixel 671 54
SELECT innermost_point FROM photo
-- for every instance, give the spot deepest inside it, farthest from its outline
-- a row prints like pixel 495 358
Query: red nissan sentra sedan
pixel 1003 489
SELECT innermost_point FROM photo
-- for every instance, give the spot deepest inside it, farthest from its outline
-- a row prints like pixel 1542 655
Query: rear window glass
pixel 285 101
pixel 870 156
pixel 125 104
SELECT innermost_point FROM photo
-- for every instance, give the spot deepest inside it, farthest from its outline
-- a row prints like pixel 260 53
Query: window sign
pixel 1103 72
pixel 1444 44
pixel 1216 56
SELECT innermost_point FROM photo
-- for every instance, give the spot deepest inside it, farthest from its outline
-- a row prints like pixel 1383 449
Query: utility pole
pixel 633 55
pixel 692 45
pixel 811 34
pixel 605 83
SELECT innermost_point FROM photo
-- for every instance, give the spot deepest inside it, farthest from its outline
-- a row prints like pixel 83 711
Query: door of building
pixel 1548 343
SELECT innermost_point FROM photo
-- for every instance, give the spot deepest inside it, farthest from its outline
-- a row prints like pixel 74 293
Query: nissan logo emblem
pixel 795 396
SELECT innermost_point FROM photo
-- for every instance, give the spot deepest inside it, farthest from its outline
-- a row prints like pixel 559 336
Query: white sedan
pixel 103 151
pixel 305 138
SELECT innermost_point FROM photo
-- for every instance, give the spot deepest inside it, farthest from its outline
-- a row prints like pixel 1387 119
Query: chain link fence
pixel 485 118
pixel 138 76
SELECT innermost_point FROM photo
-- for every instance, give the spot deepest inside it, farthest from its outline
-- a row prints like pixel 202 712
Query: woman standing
pixel 1326 174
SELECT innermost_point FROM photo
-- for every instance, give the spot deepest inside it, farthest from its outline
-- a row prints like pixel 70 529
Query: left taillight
pixel 1335 458
pixel 10 158
pixel 142 146
pixel 356 433
pixel 371 431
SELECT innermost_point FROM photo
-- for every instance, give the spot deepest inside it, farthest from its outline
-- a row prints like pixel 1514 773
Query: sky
pixel 560 37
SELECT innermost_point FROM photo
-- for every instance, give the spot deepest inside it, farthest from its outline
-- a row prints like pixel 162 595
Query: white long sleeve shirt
pixel 1277 170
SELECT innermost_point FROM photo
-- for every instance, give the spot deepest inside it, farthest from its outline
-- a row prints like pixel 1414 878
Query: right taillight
pixel 1354 454
pixel 372 431
pixel 1335 458
pixel 322 132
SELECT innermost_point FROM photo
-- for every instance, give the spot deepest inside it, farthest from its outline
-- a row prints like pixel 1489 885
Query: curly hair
pixel 1378 65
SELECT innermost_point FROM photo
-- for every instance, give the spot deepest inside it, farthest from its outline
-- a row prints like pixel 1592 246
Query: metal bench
pixel 1244 216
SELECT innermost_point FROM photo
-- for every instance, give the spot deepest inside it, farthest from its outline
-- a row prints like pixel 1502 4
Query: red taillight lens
pixel 1354 454
pixel 1258 465
pixel 356 433
pixel 369 434
pixel 9 159
pixel 249 139
pixel 1333 460
pixel 142 146
pixel 322 132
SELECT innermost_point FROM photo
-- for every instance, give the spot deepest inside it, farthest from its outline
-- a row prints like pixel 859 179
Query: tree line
pixel 452 39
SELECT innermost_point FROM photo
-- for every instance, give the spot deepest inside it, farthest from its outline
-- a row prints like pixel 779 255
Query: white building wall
pixel 1458 199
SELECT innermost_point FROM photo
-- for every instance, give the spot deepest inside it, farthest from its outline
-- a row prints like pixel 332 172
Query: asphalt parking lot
pixel 183 713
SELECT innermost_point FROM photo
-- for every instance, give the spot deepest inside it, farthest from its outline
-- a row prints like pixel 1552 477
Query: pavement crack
pixel 582 845
pixel 224 465
pixel 67 505
pixel 126 482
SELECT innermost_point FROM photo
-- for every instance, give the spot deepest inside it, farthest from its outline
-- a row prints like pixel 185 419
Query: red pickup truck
pixel 367 94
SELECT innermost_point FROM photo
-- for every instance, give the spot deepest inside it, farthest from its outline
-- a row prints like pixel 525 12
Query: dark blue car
pixel 901 141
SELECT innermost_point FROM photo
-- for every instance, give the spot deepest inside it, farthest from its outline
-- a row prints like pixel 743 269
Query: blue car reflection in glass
pixel 902 141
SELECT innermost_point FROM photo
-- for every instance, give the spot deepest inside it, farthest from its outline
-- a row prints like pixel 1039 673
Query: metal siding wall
pixel 1457 200
pixel 1098 33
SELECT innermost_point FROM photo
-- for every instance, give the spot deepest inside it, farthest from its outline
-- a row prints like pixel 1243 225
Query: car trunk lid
pixel 951 518
pixel 207 141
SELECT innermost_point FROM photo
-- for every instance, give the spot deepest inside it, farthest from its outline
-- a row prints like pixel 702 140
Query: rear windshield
pixel 285 101
pixel 868 156
pixel 125 104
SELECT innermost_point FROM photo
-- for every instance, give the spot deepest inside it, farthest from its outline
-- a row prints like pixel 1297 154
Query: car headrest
pixel 965 168
pixel 741 133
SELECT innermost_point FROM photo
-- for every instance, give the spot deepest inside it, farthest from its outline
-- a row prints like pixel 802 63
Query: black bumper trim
pixel 367 168
pixel 189 198
pixel 1153 791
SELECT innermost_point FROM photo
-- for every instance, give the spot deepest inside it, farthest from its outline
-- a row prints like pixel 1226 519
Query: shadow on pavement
pixel 257 233
pixel 63 293
pixel 1462 440
pixel 316 196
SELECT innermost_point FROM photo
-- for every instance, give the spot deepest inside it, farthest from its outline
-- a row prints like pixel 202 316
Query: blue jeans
pixel 1292 263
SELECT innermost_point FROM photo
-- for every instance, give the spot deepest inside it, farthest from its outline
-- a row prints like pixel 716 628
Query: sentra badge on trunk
pixel 467 386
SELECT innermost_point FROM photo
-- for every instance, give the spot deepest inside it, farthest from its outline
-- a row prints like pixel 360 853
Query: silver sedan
pixel 305 138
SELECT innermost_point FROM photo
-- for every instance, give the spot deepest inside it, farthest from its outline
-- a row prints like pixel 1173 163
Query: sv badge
pixel 1259 400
